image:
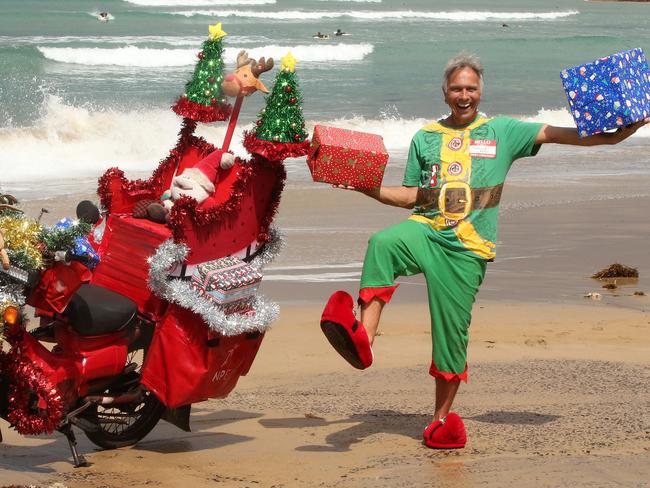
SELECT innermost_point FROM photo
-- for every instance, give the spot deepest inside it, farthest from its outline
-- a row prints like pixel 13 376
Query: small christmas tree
pixel 203 100
pixel 280 131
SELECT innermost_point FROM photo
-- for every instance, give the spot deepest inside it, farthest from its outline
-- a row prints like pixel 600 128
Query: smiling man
pixel 453 180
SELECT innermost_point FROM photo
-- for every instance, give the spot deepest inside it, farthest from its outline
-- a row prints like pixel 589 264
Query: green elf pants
pixel 453 279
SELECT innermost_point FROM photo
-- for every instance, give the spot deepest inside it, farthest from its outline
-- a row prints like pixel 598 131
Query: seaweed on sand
pixel 616 271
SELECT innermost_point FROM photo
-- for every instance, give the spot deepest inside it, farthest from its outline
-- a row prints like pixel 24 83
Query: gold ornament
pixel 288 63
pixel 215 32
pixel 3 306
pixel 22 234
pixel 276 138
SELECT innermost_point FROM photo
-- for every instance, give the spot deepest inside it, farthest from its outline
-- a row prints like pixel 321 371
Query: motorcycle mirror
pixel 88 212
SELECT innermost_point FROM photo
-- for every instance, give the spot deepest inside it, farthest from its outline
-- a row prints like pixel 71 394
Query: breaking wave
pixel 133 56
pixel 454 16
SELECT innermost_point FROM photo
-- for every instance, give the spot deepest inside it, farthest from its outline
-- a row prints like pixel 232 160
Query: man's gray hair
pixel 462 60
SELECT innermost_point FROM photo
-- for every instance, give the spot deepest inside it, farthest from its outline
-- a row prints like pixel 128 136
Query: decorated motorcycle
pixel 155 307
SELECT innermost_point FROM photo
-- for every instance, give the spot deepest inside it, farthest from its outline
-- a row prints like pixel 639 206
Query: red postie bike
pixel 129 343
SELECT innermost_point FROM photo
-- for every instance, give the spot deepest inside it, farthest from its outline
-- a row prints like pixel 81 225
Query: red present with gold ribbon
pixel 347 157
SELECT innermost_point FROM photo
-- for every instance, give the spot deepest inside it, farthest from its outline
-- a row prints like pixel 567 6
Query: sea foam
pixel 197 3
pixel 193 41
pixel 385 15
pixel 133 56
pixel 69 142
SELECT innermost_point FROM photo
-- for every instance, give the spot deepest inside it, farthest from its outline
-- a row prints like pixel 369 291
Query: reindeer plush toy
pixel 245 80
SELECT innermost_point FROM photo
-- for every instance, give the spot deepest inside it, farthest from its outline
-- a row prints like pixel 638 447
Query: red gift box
pixel 347 157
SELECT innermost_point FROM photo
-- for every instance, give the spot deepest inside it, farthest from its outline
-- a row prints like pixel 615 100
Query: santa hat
pixel 205 171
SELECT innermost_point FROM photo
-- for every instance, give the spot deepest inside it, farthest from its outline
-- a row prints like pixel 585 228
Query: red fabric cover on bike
pixel 57 285
pixel 126 245
pixel 188 363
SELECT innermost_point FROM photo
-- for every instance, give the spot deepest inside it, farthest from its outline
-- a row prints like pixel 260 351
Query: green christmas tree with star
pixel 280 131
pixel 203 100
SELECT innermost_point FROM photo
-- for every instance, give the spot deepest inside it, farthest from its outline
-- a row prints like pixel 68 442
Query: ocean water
pixel 78 95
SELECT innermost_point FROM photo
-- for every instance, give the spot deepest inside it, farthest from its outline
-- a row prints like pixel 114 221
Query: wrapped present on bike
pixel 347 157
pixel 228 282
pixel 609 92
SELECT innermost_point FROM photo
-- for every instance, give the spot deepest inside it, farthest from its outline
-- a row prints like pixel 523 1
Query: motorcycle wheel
pixel 121 425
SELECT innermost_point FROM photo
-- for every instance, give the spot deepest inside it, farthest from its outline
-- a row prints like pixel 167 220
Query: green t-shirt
pixel 478 155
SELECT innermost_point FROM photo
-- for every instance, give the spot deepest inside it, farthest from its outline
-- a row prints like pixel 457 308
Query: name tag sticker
pixel 483 148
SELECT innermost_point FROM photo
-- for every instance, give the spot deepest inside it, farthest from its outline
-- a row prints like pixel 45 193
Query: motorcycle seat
pixel 95 310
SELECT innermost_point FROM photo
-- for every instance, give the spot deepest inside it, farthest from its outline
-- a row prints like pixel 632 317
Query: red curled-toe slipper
pixel 344 332
pixel 447 433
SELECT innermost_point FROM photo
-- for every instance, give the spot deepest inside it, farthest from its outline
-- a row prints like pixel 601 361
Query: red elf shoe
pixel 344 332
pixel 447 433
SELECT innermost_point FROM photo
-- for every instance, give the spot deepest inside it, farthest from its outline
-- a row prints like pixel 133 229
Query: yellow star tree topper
pixel 288 63
pixel 215 32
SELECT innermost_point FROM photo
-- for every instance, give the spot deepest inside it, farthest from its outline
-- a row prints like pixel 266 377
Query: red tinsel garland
pixel 185 208
pixel 274 151
pixel 114 177
pixel 201 113
pixel 27 379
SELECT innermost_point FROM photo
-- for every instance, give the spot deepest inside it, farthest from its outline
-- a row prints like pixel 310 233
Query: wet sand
pixel 558 392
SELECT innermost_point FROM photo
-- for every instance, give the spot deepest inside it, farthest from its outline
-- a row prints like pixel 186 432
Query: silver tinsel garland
pixel 178 291
pixel 12 292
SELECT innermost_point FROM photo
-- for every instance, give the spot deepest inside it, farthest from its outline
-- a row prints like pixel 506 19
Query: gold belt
pixel 455 199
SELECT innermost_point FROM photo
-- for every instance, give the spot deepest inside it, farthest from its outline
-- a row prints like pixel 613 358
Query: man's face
pixel 463 95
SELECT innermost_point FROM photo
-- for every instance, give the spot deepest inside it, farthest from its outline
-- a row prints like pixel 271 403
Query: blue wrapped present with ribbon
pixel 81 248
pixel 85 252
pixel 609 92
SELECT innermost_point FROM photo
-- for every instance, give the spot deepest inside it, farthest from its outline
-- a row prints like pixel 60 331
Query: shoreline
pixel 551 240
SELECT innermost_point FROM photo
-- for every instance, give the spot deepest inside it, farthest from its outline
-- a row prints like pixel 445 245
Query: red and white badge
pixel 455 144
pixel 483 148
pixel 455 168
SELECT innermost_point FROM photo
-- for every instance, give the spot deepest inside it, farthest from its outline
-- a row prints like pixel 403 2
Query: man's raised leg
pixel 370 315
pixel 345 333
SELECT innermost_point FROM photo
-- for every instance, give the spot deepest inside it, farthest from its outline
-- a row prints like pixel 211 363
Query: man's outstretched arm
pixel 549 134
pixel 396 196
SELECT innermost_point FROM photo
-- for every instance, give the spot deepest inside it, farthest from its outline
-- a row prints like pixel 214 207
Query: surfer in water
pixel 318 35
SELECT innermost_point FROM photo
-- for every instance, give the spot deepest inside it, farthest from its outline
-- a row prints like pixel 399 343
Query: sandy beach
pixel 558 388
pixel 557 396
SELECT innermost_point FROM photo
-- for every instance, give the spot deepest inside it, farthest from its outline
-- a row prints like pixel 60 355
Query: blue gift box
pixel 608 93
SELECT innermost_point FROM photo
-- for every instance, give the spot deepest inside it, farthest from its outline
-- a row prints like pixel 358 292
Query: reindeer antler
pixel 8 199
pixel 262 66
pixel 243 59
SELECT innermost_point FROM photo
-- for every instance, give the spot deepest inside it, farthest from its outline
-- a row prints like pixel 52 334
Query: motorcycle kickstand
pixel 79 459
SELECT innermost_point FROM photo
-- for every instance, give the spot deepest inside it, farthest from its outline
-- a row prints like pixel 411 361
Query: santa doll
pixel 197 182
